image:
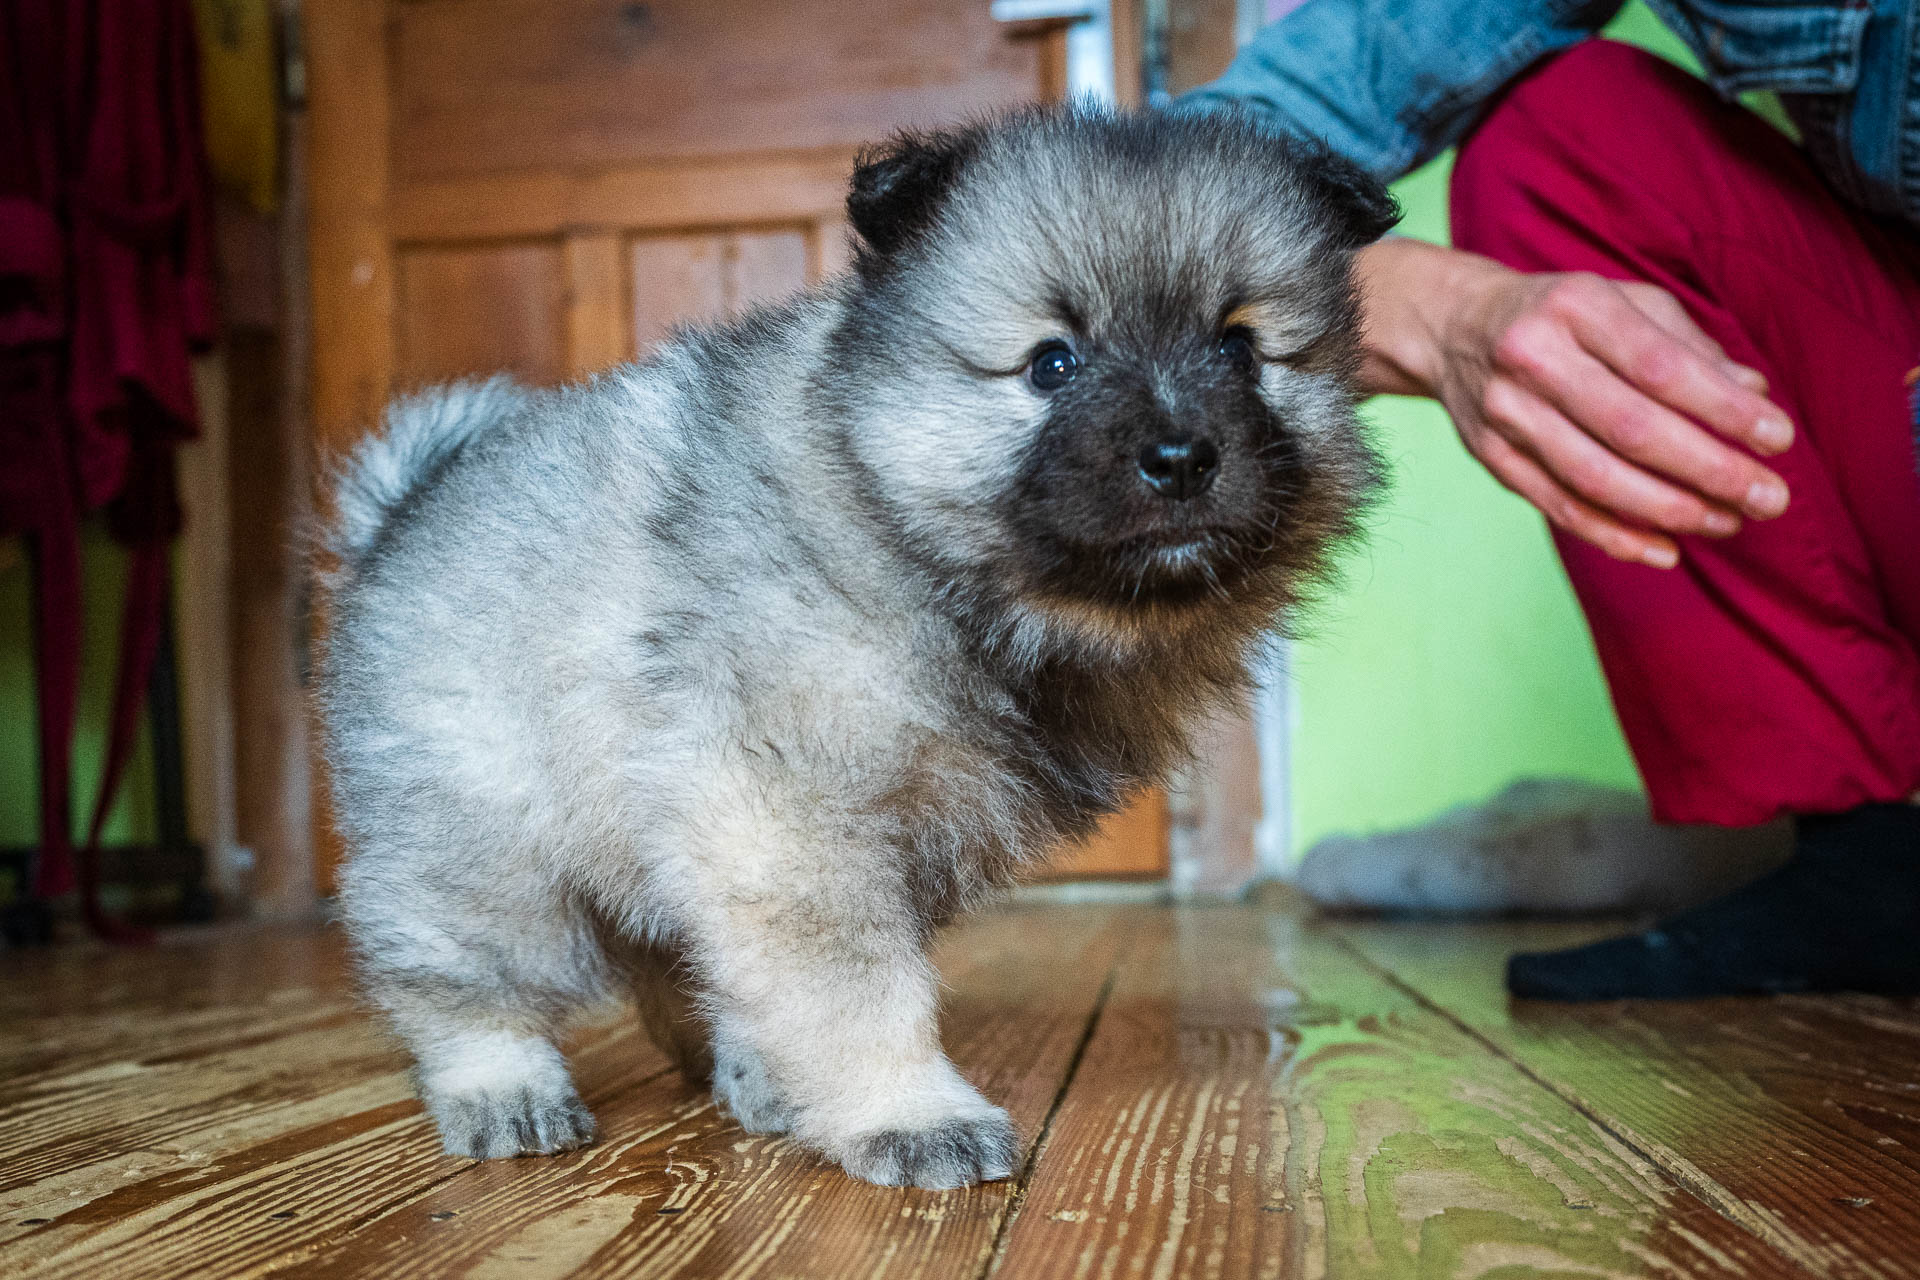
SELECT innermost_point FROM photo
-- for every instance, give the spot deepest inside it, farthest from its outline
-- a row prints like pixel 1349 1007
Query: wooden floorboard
pixel 1257 1103
pixel 207 1111
pixel 675 1189
pixel 1797 1117
pixel 1206 1091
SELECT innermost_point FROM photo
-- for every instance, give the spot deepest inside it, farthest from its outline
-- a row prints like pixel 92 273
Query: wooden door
pixel 547 186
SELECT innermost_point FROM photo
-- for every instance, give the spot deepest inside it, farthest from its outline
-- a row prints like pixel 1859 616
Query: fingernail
pixel 1661 557
pixel 1773 434
pixel 1721 524
pixel 1748 376
pixel 1766 499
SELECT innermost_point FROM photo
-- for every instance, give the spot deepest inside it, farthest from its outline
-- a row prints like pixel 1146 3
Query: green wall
pixel 1455 659
pixel 132 819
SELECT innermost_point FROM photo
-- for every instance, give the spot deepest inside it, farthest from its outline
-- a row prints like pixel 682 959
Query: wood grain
pixel 676 280
pixel 475 310
pixel 203 620
pixel 350 252
pixel 1130 845
pixel 1229 1091
pixel 832 249
pixel 1797 1117
pixel 692 279
pixel 679 196
pixel 500 85
pixel 267 489
pixel 764 266
pixel 207 1110
pixel 594 308
pixel 1256 1103
pixel 347 133
pixel 1051 45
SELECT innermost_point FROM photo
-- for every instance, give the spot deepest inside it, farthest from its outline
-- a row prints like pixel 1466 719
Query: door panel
pixel 676 280
pixel 687 279
pixel 833 245
pixel 1131 845
pixel 549 186
pixel 761 266
pixel 596 303
pixel 477 310
pixel 531 84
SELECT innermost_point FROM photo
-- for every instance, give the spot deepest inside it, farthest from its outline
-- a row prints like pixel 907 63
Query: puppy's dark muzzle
pixel 1180 467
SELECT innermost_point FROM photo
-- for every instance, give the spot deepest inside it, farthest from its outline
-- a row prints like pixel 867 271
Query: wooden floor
pixel 1211 1091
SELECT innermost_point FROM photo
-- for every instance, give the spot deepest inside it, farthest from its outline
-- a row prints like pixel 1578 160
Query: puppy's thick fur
pixel 728 676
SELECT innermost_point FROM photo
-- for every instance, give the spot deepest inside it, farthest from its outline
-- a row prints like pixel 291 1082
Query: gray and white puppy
pixel 725 678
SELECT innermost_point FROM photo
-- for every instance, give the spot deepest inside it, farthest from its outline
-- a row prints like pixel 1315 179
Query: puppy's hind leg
pixel 663 994
pixel 663 997
pixel 478 1000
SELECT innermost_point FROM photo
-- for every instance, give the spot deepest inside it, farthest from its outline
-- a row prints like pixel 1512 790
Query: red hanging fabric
pixel 106 286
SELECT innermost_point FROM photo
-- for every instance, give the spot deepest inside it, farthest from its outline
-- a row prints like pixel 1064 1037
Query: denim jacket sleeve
pixel 1391 83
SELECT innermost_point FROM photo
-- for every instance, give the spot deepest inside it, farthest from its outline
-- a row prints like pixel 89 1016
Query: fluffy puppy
pixel 726 677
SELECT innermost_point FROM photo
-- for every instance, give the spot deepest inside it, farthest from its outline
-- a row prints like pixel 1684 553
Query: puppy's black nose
pixel 1180 467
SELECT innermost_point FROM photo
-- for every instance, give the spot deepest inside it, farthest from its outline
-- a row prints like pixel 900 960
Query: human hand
pixel 1601 403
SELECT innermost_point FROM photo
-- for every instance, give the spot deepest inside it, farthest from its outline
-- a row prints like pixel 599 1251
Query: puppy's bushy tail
pixel 422 433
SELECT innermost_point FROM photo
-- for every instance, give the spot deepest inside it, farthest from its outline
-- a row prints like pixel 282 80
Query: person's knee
pixel 1596 105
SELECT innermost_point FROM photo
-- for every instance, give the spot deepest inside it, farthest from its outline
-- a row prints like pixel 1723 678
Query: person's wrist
pixel 1457 291
pixel 1415 296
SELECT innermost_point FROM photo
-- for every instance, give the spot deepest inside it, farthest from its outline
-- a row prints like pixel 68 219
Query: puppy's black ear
pixel 1362 209
pixel 898 190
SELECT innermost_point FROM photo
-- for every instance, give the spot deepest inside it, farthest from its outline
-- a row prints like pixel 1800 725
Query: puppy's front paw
pixel 958 1151
pixel 487 1124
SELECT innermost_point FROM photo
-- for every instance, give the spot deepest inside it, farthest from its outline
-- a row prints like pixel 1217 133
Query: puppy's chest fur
pixel 1014 763
pixel 865 698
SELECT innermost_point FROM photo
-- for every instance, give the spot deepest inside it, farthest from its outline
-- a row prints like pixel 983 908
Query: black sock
pixel 1842 915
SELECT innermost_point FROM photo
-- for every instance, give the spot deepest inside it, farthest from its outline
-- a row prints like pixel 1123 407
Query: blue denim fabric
pixel 1391 83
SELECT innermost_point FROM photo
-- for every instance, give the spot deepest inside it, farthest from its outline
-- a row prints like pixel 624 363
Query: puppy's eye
pixel 1236 348
pixel 1054 366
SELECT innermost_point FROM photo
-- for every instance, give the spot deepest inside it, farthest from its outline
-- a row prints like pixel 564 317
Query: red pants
pixel 1775 672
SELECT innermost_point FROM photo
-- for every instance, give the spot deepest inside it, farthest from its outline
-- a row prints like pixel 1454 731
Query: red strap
pixel 55 552
pixel 142 618
pixel 57 629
